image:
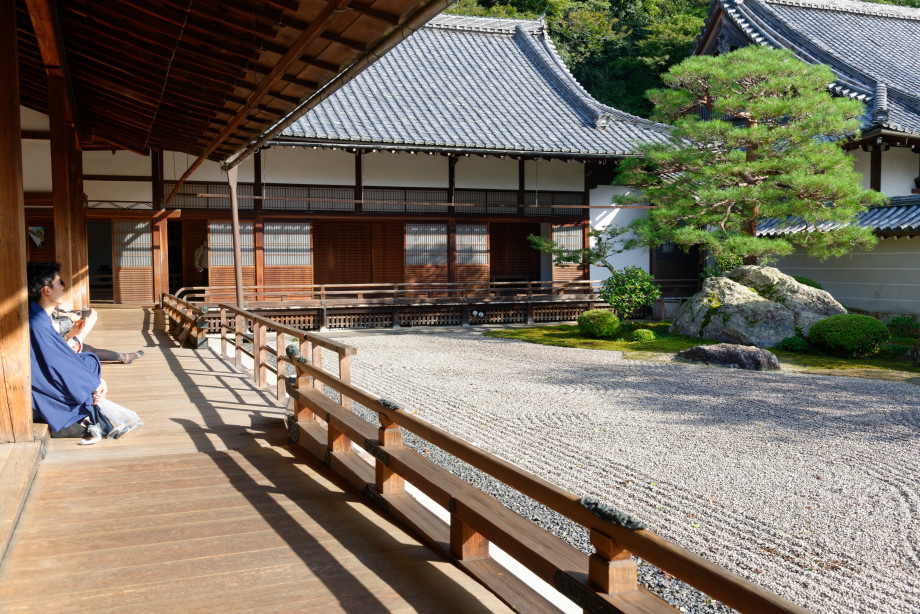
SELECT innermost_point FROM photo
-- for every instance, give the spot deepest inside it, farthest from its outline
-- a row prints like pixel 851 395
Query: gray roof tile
pixel 874 49
pixel 900 215
pixel 474 83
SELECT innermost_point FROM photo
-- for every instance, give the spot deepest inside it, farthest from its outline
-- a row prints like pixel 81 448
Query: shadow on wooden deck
pixel 208 508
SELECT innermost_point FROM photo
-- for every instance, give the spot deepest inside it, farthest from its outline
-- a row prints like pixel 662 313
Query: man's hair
pixel 39 275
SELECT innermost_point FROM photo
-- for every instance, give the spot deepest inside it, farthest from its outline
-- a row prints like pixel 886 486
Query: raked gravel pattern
pixel 806 485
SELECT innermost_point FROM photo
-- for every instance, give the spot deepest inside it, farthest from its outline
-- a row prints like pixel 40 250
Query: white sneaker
pixel 91 435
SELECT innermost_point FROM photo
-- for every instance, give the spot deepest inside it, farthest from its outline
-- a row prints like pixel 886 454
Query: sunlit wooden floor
pixel 207 509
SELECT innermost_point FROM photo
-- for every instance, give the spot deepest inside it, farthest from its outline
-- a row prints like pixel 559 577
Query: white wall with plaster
pixel 385 169
pixel 489 173
pixel 606 216
pixel 306 165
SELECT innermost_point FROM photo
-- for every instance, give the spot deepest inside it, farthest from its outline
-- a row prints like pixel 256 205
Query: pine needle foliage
pixel 756 135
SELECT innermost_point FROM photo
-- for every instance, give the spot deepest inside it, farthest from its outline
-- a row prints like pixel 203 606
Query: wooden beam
pixel 292 56
pixel 15 370
pixel 875 168
pixel 45 23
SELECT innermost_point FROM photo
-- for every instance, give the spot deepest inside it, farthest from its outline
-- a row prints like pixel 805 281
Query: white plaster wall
pixel 861 164
pixel 306 165
pixel 130 191
pixel 602 218
pixel 404 170
pixel 487 173
pixel 176 163
pixel 899 167
pixel 553 175
pixel 33 120
pixel 36 165
pixel 119 163
pixel 884 280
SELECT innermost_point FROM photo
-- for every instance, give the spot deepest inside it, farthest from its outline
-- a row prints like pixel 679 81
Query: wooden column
pixel 611 569
pixel 875 167
pixel 359 181
pixel 522 187
pixel 156 176
pixel 15 380
pixel 258 248
pixel 386 480
pixel 451 184
pixel 60 181
pixel 160 254
pixel 232 175
pixel 257 188
pixel 452 251
pixel 78 253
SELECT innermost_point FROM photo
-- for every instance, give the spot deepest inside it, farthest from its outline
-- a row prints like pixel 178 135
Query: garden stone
pixel 806 303
pixel 732 355
pixel 728 311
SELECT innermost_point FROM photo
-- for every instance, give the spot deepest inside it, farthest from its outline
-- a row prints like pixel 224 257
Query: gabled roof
pixel 900 216
pixel 874 49
pixel 474 84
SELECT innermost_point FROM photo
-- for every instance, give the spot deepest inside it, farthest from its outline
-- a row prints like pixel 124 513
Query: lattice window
pixel 133 243
pixel 426 244
pixel 569 237
pixel 287 244
pixel 221 243
pixel 472 244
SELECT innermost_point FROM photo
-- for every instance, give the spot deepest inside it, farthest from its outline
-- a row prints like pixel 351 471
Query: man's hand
pixel 99 393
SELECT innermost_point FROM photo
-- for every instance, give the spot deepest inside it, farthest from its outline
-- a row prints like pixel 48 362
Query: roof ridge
pixel 484 24
pixel 855 6
pixel 598 113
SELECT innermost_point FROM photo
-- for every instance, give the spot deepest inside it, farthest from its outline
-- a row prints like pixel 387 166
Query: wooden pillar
pixel 160 254
pixel 388 481
pixel 875 168
pixel 359 181
pixel 258 247
pixel 156 177
pixel 522 187
pixel 451 184
pixel 452 251
pixel 232 175
pixel 258 189
pixel 60 181
pixel 611 568
pixel 15 383
pixel 78 253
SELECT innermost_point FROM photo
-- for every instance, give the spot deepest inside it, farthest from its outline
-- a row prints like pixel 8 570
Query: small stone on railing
pixel 388 404
pixel 293 352
pixel 608 514
pixel 204 309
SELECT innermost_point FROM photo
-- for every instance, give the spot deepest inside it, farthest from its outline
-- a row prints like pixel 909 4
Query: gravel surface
pixel 806 485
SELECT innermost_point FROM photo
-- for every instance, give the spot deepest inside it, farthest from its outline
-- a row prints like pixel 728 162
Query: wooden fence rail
pixel 187 322
pixel 605 581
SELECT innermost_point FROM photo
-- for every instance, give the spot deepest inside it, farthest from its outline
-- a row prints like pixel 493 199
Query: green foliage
pixel 599 324
pixel 849 334
pixel 896 350
pixel 721 264
pixel 794 344
pixel 642 335
pixel 778 158
pixel 808 282
pixel 628 289
pixel 603 244
pixel 902 326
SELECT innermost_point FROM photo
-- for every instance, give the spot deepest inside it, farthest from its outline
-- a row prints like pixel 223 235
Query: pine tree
pixel 755 135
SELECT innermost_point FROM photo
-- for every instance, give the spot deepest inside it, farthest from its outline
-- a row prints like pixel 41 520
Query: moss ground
pixel 666 346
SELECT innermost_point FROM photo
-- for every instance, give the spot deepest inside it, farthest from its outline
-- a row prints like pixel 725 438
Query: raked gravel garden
pixel 808 485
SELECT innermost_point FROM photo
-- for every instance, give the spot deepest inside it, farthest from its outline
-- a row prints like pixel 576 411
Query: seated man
pixel 67 389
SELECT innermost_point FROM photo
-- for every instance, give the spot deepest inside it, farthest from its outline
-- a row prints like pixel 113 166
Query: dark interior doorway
pixel 99 244
pixel 174 246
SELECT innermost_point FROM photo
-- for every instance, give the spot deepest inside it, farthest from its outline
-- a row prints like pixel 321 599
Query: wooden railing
pixel 187 322
pixel 399 293
pixel 605 581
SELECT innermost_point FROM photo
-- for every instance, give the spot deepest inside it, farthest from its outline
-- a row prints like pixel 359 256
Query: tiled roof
pixel 478 84
pixel 900 216
pixel 874 49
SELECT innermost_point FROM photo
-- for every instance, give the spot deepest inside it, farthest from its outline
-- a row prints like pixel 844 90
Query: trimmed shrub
pixel 901 326
pixel 849 334
pixel 599 324
pixel 642 335
pixel 628 289
pixel 794 344
pixel 896 351
pixel 808 282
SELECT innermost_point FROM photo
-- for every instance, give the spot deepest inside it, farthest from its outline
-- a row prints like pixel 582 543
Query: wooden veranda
pixel 209 508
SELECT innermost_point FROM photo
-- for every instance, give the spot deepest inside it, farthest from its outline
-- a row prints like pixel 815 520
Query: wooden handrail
pixel 186 320
pixel 606 581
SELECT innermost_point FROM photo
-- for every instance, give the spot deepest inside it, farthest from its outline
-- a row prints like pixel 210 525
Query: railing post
pixel 345 376
pixel 238 343
pixel 223 332
pixel 258 353
pixel 465 543
pixel 317 358
pixel 301 413
pixel 280 368
pixel 611 569
pixel 386 480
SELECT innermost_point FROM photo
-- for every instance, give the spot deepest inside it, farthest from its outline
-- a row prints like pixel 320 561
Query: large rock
pixel 731 355
pixel 728 311
pixel 807 304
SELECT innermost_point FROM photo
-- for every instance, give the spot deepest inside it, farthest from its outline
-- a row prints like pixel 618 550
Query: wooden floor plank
pixel 208 509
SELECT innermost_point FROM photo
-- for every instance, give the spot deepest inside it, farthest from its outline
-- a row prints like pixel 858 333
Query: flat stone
pixel 732 355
